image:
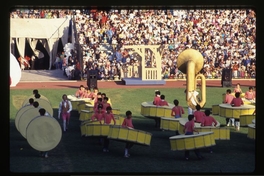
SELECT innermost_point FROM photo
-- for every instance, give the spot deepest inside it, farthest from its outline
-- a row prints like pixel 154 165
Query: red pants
pixel 65 116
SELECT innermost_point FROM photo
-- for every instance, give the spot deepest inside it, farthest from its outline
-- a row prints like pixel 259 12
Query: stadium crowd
pixel 225 37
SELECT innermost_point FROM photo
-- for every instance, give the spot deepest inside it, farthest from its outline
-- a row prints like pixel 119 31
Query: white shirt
pixel 65 104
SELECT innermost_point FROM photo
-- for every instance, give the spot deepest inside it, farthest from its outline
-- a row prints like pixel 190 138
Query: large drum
pixel 81 105
pixel 89 107
pixel 251 131
pixel 219 133
pixel 246 119
pixel 119 119
pixel 20 112
pixel 249 102
pixel 215 109
pixel 25 118
pixel 129 135
pixel 190 142
pixel 150 110
pixel 171 124
pixel 86 124
pixel 227 111
pixel 74 101
pixel 94 129
pixel 85 115
pixel 43 133
pixel 25 102
pixel 254 121
pixel 46 105
pixel 115 111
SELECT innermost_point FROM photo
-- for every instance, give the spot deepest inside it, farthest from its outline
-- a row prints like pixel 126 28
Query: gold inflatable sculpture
pixel 190 62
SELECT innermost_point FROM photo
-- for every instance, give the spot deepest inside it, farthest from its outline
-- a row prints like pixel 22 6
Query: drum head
pixel 32 96
pixel 43 133
pixel 20 112
pixel 25 118
pixel 46 105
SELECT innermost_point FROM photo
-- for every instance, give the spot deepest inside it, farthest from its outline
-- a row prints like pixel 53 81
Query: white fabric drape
pixel 64 38
pixel 21 42
pixel 53 43
pixel 48 31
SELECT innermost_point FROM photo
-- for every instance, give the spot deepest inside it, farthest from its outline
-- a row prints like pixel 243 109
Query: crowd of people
pixel 225 37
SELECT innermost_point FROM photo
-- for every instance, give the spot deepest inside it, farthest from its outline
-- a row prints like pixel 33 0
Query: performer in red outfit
pixel 156 98
pixel 177 110
pixel 228 100
pixel 250 95
pixel 228 97
pixel 237 88
pixel 98 115
pixel 188 130
pixel 99 101
pixel 80 91
pixel 208 121
pixel 108 117
pixel 236 102
pixel 198 115
pixel 127 123
pixel 65 108
pixel 105 103
pixel 162 101
pixel 87 93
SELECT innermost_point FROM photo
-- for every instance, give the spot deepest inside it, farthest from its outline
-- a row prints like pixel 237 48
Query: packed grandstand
pixel 225 37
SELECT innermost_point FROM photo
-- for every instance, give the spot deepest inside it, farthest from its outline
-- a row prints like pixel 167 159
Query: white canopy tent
pixel 47 31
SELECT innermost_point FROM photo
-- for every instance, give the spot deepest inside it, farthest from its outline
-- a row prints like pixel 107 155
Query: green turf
pixel 84 155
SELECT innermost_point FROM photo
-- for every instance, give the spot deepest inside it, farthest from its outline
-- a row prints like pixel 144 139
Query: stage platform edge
pixel 139 81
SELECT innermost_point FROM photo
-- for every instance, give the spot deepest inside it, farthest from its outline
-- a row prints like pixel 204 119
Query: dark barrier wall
pixel 92 79
pixel 226 80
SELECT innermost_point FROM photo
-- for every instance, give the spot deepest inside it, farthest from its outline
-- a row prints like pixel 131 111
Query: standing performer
pixel 65 108
pixel 188 130
pixel 108 117
pixel 42 112
pixel 127 123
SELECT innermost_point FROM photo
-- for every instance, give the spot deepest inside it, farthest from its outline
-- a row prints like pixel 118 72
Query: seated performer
pixel 80 91
pixel 250 95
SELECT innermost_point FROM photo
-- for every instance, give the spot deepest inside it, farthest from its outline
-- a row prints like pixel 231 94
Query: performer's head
pixel 42 111
pixel 228 91
pixel 237 94
pixel 128 114
pixel 198 107
pixel 176 102
pixel 190 117
pixel 207 112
